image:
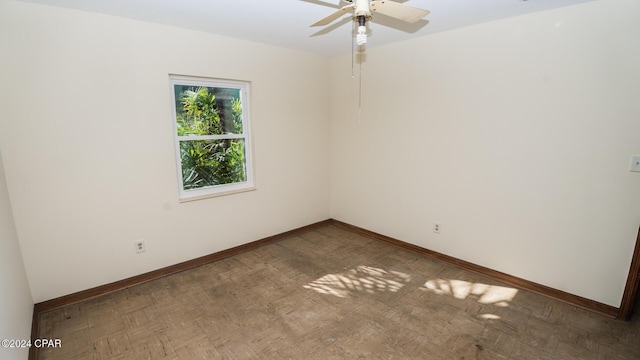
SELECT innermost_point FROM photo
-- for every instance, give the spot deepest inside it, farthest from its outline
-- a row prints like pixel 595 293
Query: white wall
pixel 87 138
pixel 515 135
pixel 16 303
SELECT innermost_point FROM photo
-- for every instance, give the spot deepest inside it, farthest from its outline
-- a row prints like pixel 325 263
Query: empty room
pixel 319 179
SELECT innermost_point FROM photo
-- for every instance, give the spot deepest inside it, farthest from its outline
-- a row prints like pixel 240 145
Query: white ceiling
pixel 286 22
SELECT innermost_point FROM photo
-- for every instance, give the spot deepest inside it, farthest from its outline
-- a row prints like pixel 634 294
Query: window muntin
pixel 212 142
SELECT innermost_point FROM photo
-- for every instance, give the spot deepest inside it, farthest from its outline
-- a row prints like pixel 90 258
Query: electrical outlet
pixel 140 246
pixel 635 163
pixel 436 228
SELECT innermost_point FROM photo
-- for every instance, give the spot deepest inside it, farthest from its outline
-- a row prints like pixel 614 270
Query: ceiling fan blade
pixel 330 28
pixel 331 18
pixel 393 9
pixel 396 24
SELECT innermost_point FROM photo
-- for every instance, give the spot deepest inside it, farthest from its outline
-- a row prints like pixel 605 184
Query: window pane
pixel 212 162
pixel 202 110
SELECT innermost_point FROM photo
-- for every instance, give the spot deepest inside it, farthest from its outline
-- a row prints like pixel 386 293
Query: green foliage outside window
pixel 204 111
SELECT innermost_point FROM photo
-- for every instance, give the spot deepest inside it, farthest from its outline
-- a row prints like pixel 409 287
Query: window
pixel 212 142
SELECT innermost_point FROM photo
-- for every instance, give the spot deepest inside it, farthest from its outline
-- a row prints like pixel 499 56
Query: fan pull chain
pixel 353 60
pixel 353 51
pixel 360 90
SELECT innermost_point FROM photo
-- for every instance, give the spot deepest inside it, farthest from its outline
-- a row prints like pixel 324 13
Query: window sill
pixel 217 194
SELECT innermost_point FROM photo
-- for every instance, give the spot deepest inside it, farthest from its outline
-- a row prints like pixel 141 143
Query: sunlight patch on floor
pixel 483 293
pixel 489 317
pixel 360 279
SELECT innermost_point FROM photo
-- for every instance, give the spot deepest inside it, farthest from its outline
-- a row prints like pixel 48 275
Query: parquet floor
pixel 332 294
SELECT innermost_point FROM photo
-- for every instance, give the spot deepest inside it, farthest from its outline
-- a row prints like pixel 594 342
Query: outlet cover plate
pixel 140 248
pixel 635 163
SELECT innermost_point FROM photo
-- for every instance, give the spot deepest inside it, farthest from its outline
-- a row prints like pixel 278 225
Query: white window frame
pixel 223 189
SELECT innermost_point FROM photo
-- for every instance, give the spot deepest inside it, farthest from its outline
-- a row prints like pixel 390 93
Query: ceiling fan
pixel 363 10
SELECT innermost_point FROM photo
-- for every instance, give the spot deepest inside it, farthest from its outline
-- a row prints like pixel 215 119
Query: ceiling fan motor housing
pixel 362 8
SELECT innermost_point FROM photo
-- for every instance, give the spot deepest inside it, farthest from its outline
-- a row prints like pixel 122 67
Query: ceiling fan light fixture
pixel 361 37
